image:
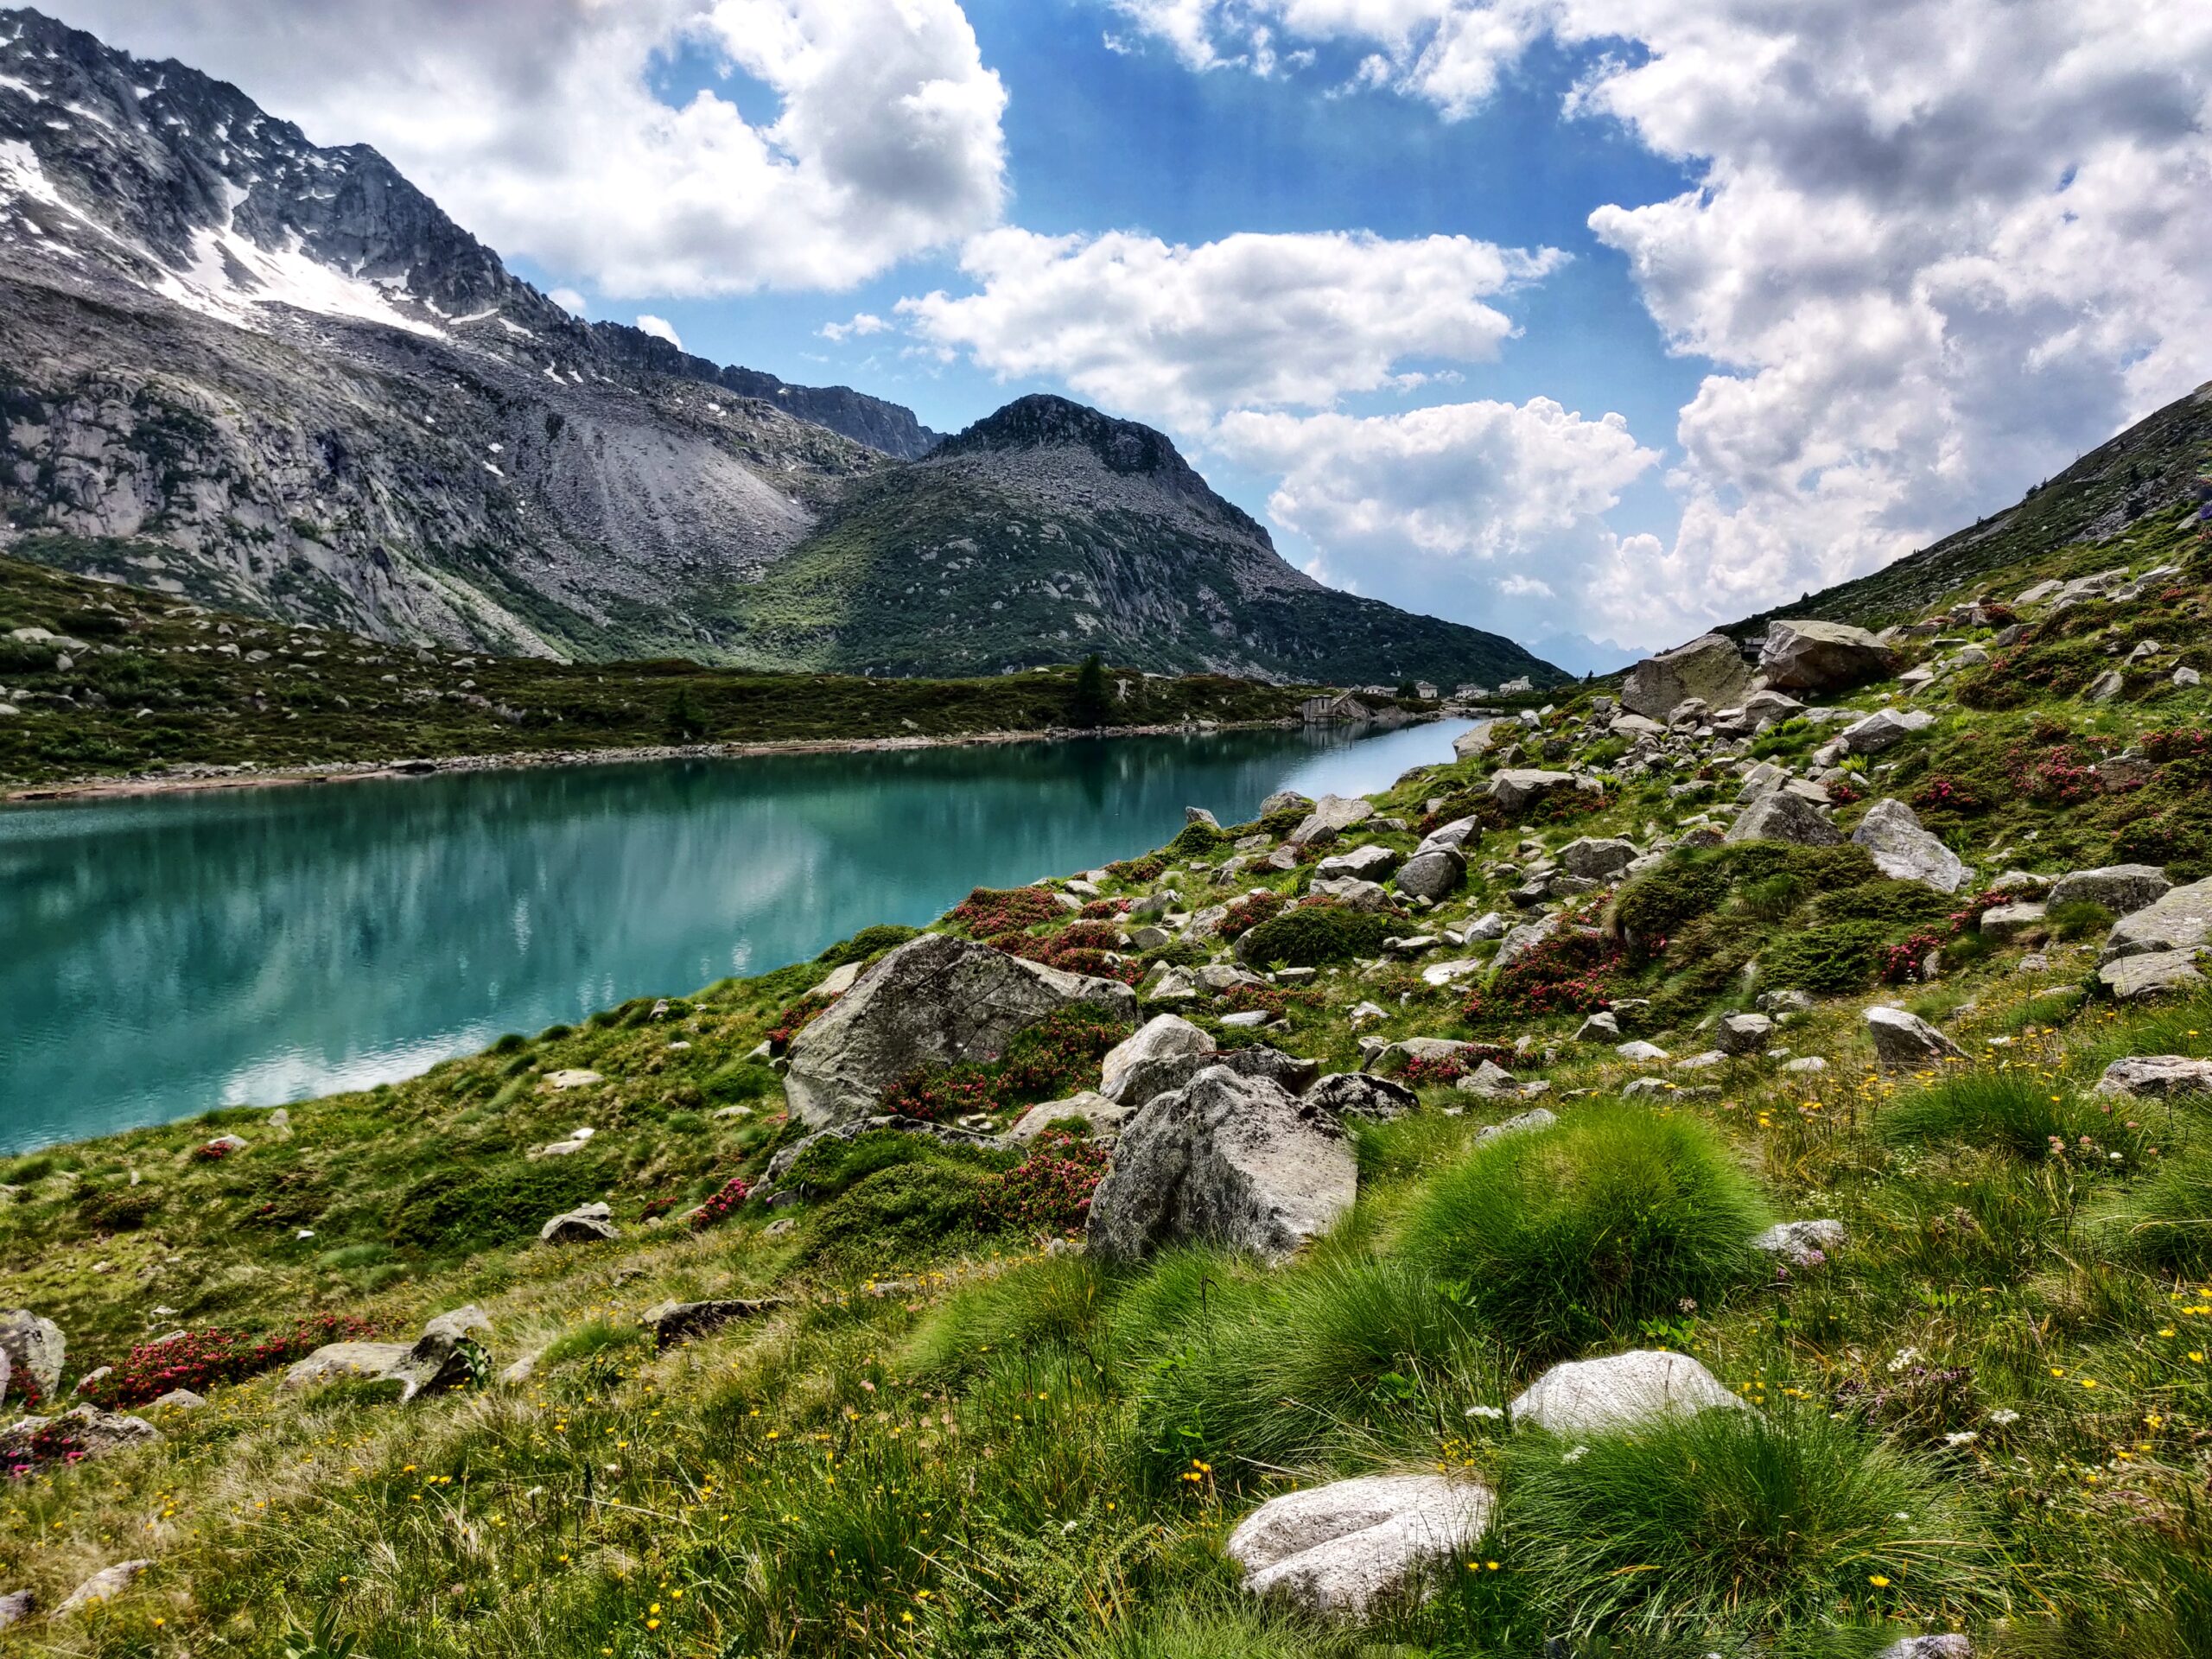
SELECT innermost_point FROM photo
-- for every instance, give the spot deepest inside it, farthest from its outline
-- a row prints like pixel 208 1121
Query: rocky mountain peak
pixel 1128 449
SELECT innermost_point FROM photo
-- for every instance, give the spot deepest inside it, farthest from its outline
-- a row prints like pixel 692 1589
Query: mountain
pixel 2144 473
pixel 276 378
pixel 1050 530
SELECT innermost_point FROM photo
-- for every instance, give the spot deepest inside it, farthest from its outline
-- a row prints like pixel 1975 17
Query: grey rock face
pixel 31 1346
pixel 589 1223
pixel 1813 656
pixel 1235 1161
pixel 1621 1391
pixel 2154 973
pixel 933 1000
pixel 1369 863
pixel 1104 1117
pixel 1599 860
pixel 1709 667
pixel 2158 1077
pixel 1901 850
pixel 1803 1244
pixel 2008 921
pixel 1743 1033
pixel 1785 817
pixel 1518 941
pixel 1884 729
pixel 1433 875
pixel 1905 1041
pixel 104 1586
pixel 2122 889
pixel 1337 813
pixel 674 1322
pixel 1357 1094
pixel 1285 800
pixel 1122 1073
pixel 1518 788
pixel 1335 1548
pixel 2176 921
pixel 334 1360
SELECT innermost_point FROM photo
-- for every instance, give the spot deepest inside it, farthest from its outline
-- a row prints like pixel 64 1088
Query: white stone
pixel 1621 1391
pixel 1335 1548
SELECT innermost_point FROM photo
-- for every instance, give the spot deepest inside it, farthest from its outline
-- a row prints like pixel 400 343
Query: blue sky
pixel 1597 322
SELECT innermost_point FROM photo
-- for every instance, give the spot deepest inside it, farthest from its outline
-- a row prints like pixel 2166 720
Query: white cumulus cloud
pixel 660 328
pixel 863 323
pixel 535 123
pixel 1935 249
pixel 1177 333
pixel 1487 510
pixel 569 300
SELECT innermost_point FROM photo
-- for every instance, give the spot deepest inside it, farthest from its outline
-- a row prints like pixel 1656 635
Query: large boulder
pixel 1333 813
pixel 2177 921
pixel 1709 667
pixel 1785 817
pixel 1884 729
pixel 448 1353
pixel 1369 863
pixel 1743 1033
pixel 1122 1074
pixel 1621 1391
pixel 1357 1094
pixel 92 1432
pixel 1518 789
pixel 587 1223
pixel 2152 973
pixel 1434 875
pixel 1476 740
pixel 1810 656
pixel 934 1001
pixel 675 1322
pixel 1335 1548
pixel 1601 860
pixel 31 1350
pixel 2122 889
pixel 2159 1077
pixel 1905 1042
pixel 1226 1160
pixel 1901 850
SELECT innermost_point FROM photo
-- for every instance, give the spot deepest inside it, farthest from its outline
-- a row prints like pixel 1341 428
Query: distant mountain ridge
pixel 278 377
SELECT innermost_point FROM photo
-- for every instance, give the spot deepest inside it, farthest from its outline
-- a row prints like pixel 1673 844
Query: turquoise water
pixel 162 956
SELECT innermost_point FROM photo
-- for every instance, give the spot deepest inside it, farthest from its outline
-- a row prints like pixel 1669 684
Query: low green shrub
pixel 1735 1522
pixel 907 1213
pixel 456 1211
pixel 2081 919
pixel 1827 961
pixel 591 1338
pixel 117 1208
pixel 868 942
pixel 1194 839
pixel 1312 935
pixel 1556 1239
pixel 2167 1222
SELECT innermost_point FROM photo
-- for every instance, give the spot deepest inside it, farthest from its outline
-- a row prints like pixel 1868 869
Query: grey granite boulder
pixel 2159 1077
pixel 931 1002
pixel 1904 1042
pixel 1332 814
pixel 1122 1074
pixel 32 1347
pixel 1601 860
pixel 1802 1244
pixel 1804 655
pixel 2178 920
pixel 1621 1391
pixel 674 1322
pixel 2152 973
pixel 1743 1033
pixel 1783 816
pixel 1883 729
pixel 1434 875
pixel 1901 850
pixel 1518 789
pixel 104 1586
pixel 2122 889
pixel 1231 1160
pixel 1335 1548
pixel 1370 863
pixel 587 1223
pixel 1709 667
pixel 1356 1094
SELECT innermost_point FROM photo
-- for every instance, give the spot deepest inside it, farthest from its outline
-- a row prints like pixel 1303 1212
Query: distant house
pixel 1471 693
pixel 1424 691
pixel 1511 686
pixel 1378 691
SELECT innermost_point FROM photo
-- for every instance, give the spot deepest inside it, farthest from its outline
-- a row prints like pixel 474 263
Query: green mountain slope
pixel 1049 531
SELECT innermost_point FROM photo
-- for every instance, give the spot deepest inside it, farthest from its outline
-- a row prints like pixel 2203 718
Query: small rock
pixel 1335 1548
pixel 1600 1027
pixel 1783 815
pixel 1807 1063
pixel 1745 1033
pixel 1622 1391
pixel 1641 1052
pixel 32 1346
pixel 1904 1042
pixel 2159 1077
pixel 575 1078
pixel 1356 1094
pixel 1527 1122
pixel 586 1224
pixel 1901 850
pixel 1803 1244
pixel 2151 974
pixel 674 1322
pixel 104 1586
pixel 178 1400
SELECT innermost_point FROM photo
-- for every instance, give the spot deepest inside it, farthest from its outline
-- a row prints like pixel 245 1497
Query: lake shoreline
pixel 197 778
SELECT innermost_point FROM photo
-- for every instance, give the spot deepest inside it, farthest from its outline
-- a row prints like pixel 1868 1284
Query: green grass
pixel 2016 1111
pixel 1554 1239
pixel 1771 1523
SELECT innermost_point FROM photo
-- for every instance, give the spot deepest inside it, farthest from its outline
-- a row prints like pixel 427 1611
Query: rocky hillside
pixel 303 390
pixel 1732 1179
pixel 1050 530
